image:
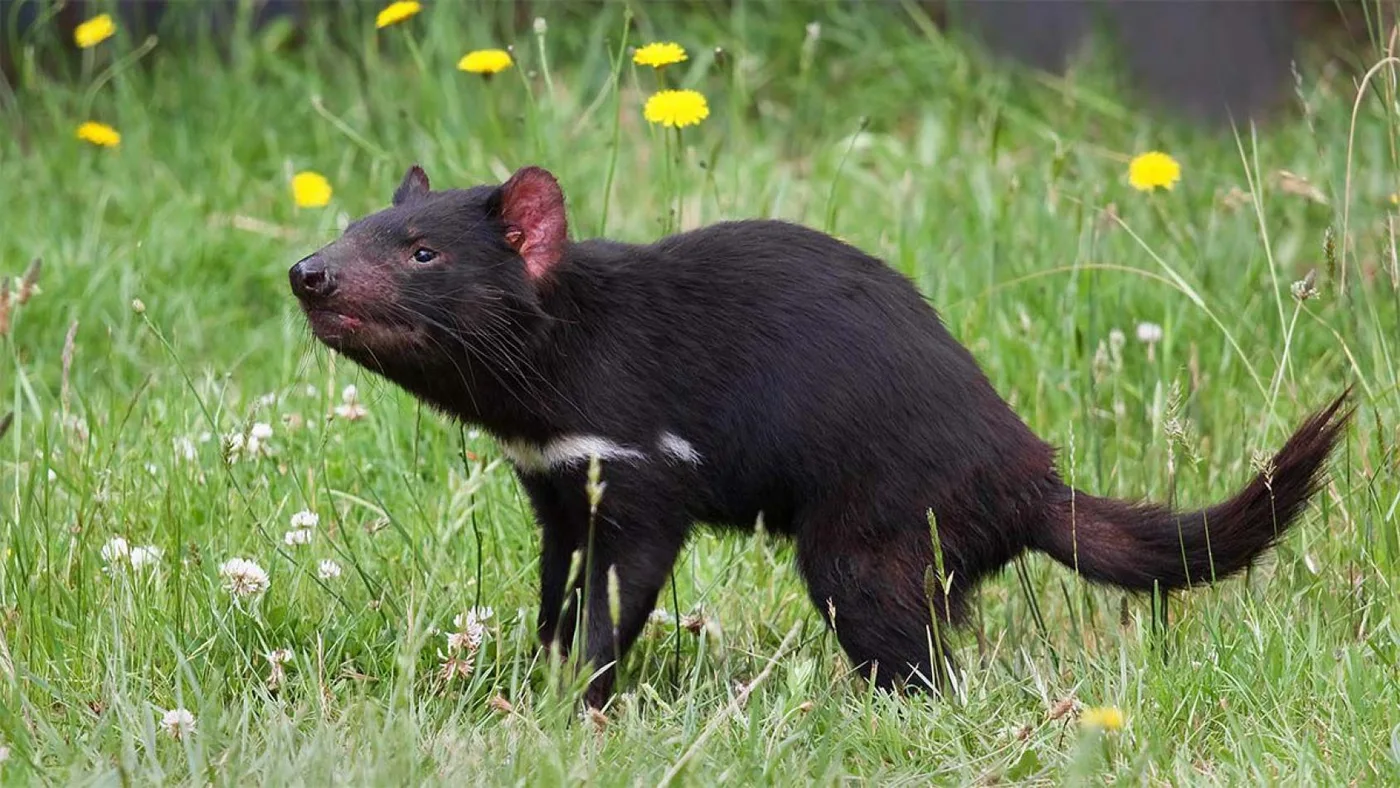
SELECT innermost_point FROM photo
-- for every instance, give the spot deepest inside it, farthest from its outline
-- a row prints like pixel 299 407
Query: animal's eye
pixel 424 255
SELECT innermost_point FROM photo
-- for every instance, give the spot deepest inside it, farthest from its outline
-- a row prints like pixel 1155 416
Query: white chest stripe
pixel 565 451
pixel 571 449
pixel 677 448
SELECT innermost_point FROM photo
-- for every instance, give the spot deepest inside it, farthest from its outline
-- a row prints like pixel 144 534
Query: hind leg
pixel 874 591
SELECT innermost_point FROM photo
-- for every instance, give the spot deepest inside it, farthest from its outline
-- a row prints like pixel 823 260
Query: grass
pixel 1003 197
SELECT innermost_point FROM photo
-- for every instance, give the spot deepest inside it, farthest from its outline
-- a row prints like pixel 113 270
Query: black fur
pixel 816 384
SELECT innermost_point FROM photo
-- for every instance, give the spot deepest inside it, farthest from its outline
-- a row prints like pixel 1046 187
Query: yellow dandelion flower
pixel 311 189
pixel 395 13
pixel 99 134
pixel 659 54
pixel 94 31
pixel 676 108
pixel 485 62
pixel 1153 170
pixel 1107 718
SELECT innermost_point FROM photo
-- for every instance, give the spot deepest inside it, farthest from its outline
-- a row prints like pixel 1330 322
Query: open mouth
pixel 330 321
pixel 339 329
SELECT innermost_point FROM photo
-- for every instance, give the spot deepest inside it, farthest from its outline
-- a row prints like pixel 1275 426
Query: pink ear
pixel 532 206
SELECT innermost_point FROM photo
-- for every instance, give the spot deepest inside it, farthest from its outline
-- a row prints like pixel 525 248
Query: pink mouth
pixel 326 319
pixel 341 330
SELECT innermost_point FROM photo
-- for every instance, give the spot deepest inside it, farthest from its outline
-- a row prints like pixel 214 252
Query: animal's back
pixel 815 364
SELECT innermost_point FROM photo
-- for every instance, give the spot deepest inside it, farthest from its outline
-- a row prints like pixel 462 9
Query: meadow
pixel 172 414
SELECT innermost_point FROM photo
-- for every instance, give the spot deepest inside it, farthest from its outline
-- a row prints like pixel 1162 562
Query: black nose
pixel 311 278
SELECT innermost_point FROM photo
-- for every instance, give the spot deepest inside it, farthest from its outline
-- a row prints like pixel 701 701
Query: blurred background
pixel 163 390
pixel 1209 61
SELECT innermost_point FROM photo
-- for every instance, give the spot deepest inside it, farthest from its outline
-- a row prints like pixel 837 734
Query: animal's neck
pixel 515 382
pixel 508 396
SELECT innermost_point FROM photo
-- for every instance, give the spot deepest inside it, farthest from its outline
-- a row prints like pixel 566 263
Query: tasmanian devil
pixel 747 368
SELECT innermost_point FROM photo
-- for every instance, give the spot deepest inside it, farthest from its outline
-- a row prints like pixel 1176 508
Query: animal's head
pixel 416 284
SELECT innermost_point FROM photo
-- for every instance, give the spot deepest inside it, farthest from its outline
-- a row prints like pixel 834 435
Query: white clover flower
pixel 661 616
pixel 177 723
pixel 328 569
pixel 145 555
pixel 250 446
pixel 276 659
pixel 306 519
pixel 185 450
pixel 258 437
pixel 351 412
pixel 472 629
pixel 267 400
pixel 4 753
pixel 1149 333
pixel 475 633
pixel 350 408
pixel 243 577
pixel 116 550
pixel 457 641
pixel 298 537
pixel 476 614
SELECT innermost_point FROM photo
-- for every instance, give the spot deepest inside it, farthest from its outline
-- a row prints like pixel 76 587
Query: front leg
pixel 636 535
pixel 639 554
pixel 560 536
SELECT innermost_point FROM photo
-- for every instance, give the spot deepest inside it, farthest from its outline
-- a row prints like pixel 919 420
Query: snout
pixel 312 279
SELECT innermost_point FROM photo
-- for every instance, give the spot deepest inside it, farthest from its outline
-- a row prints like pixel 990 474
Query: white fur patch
pixel 677 448
pixel 567 450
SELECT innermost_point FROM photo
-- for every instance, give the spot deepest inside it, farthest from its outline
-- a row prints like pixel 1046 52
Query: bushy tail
pixel 1137 545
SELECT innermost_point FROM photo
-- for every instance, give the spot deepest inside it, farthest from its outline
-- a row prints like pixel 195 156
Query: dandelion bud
pixel 541 26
